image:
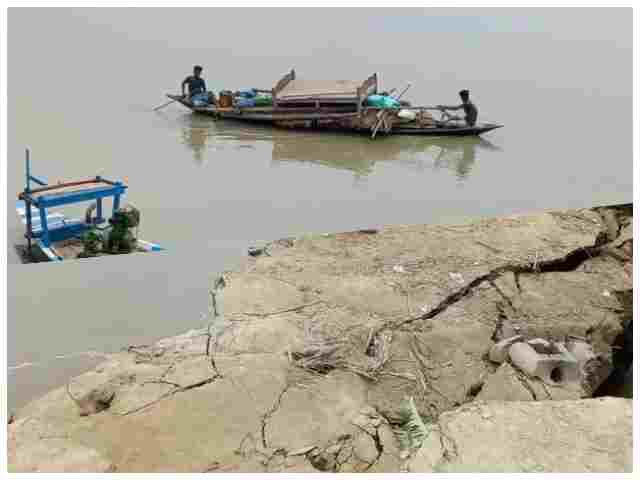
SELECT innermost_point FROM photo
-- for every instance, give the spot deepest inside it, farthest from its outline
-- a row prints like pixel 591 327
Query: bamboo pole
pixel 165 104
pixel 381 115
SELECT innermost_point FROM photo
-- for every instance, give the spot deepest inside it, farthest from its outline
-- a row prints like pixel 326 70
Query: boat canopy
pixel 305 89
pixel 294 90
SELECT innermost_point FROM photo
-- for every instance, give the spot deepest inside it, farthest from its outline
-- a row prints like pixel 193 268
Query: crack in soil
pixel 516 278
pixel 177 388
pixel 415 351
pixel 610 222
pixel 504 296
pixel 566 263
pixel 170 393
pixel 278 312
pixel 343 444
pixel 379 447
pixel 474 390
pixel 497 334
pixel 522 378
pixel 447 455
pixel 269 413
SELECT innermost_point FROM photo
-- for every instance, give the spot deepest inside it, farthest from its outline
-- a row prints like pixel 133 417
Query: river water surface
pixel 82 84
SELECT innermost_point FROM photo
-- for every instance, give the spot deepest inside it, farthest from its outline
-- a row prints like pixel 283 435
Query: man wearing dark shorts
pixel 197 87
pixel 470 110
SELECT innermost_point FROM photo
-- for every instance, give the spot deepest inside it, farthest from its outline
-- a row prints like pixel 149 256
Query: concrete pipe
pixel 554 369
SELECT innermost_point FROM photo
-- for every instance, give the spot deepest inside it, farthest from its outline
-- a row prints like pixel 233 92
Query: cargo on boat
pixel 345 105
pixel 52 236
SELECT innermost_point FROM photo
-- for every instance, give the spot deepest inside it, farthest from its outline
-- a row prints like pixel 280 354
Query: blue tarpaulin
pixel 382 101
pixel 245 102
pixel 247 93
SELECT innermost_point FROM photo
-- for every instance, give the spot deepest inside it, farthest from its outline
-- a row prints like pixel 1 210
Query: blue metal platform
pixel 38 200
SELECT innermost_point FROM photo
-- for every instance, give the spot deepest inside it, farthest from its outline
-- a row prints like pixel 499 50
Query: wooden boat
pixel 51 235
pixel 327 120
pixel 335 105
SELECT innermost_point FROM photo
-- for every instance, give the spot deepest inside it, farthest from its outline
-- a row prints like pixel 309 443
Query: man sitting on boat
pixel 470 110
pixel 197 88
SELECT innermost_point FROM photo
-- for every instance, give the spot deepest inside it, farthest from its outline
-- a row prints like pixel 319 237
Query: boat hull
pixel 314 121
pixel 442 131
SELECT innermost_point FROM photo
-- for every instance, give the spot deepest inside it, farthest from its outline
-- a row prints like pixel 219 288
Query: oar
pixel 379 117
pixel 165 104
pixel 379 120
pixel 404 91
pixel 377 126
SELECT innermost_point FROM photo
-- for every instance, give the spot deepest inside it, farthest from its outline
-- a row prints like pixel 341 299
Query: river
pixel 82 83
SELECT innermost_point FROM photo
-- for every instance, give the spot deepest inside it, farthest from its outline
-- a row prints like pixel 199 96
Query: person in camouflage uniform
pixel 120 239
pixel 92 242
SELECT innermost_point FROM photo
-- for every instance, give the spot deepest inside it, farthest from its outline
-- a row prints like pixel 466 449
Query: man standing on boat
pixel 470 110
pixel 197 88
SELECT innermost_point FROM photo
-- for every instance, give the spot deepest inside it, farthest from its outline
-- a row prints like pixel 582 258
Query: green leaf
pixel 413 430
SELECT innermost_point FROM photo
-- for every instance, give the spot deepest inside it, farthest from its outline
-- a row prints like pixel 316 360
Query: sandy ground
pixel 315 343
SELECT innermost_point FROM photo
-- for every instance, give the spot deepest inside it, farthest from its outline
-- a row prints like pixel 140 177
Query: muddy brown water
pixel 82 84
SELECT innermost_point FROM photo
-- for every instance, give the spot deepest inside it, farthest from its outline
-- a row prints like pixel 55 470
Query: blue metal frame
pixel 113 189
pixel 66 198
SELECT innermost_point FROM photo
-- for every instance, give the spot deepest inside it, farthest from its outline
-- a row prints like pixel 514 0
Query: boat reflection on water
pixel 354 153
pixel 196 131
pixel 459 155
pixel 360 154
pixel 196 137
pixel 200 133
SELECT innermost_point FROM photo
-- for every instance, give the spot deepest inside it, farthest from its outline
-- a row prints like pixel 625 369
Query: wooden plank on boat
pixel 289 77
pixel 284 81
pixel 369 86
pixel 299 88
pixel 287 116
pixel 249 109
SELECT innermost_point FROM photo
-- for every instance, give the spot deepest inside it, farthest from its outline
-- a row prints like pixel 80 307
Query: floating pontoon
pixel 53 236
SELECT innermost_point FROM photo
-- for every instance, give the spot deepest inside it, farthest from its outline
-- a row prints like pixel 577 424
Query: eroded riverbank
pixel 315 344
